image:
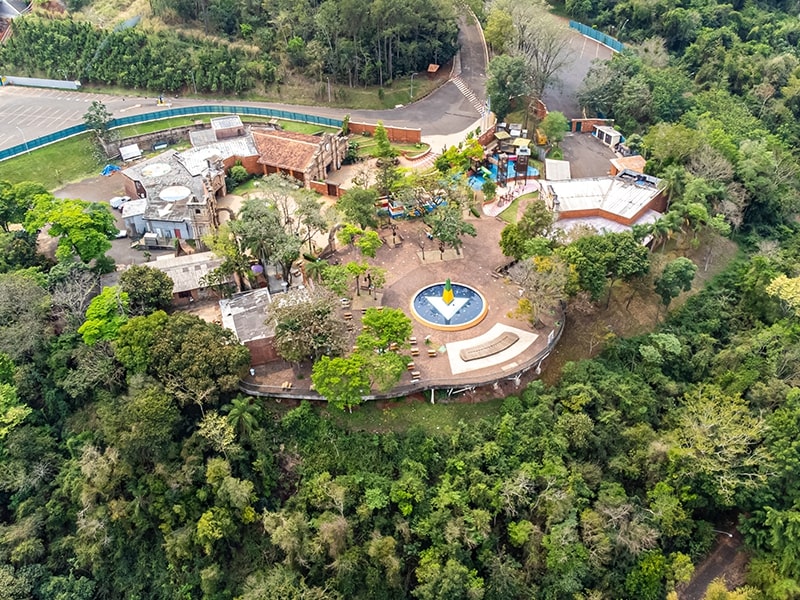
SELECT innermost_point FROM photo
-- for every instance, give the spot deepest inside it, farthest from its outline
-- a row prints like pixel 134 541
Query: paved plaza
pixel 407 273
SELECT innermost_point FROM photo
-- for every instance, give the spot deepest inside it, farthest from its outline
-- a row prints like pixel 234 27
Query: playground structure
pixel 425 204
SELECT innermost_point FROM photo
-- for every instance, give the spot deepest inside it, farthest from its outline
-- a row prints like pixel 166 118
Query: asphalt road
pixel 583 52
pixel 28 113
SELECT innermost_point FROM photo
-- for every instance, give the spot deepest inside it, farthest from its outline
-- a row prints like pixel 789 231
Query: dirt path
pixel 727 560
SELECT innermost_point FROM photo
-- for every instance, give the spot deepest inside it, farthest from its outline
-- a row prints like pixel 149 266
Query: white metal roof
pixel 130 152
pixel 557 170
pixel 609 194
pixel 187 271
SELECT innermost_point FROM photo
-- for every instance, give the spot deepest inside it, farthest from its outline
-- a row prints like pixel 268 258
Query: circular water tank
pixel 174 193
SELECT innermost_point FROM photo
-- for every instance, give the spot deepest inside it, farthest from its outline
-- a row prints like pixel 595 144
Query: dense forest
pixel 245 45
pixel 131 468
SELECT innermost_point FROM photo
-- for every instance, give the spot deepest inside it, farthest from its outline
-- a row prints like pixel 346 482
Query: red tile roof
pixel 285 149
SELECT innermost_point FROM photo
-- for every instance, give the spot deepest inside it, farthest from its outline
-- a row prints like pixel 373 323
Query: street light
pixel 411 91
pixel 24 140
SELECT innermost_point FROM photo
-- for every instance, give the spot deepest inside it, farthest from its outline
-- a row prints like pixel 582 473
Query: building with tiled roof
pixel 304 157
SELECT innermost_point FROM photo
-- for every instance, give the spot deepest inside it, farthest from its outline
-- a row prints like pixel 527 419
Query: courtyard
pixel 434 360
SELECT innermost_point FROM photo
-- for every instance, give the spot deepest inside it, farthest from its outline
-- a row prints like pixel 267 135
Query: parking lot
pixel 28 113
pixel 102 189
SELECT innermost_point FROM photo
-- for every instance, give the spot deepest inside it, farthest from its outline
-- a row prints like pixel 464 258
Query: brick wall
pixel 587 125
pixel 487 136
pixel 262 351
pixel 250 164
pixel 400 135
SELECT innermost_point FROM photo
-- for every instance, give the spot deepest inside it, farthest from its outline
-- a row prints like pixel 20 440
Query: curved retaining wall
pixel 461 383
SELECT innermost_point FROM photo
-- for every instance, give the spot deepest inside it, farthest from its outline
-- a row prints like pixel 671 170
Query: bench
pixel 502 342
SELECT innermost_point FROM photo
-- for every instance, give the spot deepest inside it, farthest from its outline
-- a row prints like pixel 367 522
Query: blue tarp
pixel 109 169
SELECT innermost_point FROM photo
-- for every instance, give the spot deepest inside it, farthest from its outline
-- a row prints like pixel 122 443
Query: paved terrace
pixel 407 273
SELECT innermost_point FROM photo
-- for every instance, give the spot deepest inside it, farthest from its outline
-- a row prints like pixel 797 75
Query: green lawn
pixel 57 164
pixel 509 215
pixel 343 96
pixel 366 146
pixel 302 92
pixel 401 415
pixel 162 125
pixel 78 158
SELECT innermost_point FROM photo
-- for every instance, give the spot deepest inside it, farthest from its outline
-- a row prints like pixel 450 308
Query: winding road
pixel 28 113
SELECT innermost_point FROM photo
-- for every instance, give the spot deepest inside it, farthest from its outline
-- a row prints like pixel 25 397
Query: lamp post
pixel 24 140
pixel 411 90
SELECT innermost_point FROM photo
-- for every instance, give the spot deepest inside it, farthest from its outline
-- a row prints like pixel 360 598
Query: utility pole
pixel 411 90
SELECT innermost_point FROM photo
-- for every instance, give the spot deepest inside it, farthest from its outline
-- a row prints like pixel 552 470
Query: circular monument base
pixel 467 308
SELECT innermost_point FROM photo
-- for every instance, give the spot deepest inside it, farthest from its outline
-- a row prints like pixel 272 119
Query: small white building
pixel 557 170
pixel 608 135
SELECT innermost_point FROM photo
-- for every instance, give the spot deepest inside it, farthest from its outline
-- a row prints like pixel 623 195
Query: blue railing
pixel 599 36
pixel 257 111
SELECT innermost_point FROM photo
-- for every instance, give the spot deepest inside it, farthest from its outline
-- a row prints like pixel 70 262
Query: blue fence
pixel 257 111
pixel 601 37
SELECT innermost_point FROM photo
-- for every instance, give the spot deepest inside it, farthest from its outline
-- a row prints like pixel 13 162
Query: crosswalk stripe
pixel 468 94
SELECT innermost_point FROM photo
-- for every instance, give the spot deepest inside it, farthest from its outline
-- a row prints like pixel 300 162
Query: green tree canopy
pixel 307 325
pixel 358 206
pixel 342 381
pixel 107 312
pixel 84 228
pixel 148 289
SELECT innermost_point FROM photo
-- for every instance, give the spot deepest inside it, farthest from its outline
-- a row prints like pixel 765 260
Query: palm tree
pixel 673 182
pixel 243 415
pixel 673 222
pixel 315 269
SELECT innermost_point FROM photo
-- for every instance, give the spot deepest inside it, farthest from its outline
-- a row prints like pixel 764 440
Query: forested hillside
pixel 130 471
pixel 242 46
pixel 130 468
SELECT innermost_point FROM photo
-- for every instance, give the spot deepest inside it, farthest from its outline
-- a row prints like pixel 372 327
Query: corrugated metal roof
pixel 187 271
pixel 610 194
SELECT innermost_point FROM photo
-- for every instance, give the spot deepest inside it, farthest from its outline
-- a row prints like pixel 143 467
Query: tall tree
pixel 448 226
pixel 17 199
pixel 148 289
pixel 384 328
pixel 24 311
pixel 508 79
pixel 84 228
pixel 543 281
pixel 98 119
pixel 555 126
pixel 358 206
pixel 307 325
pixel 261 228
pixel 676 277
pixel 543 42
pixel 107 312
pixel 343 382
